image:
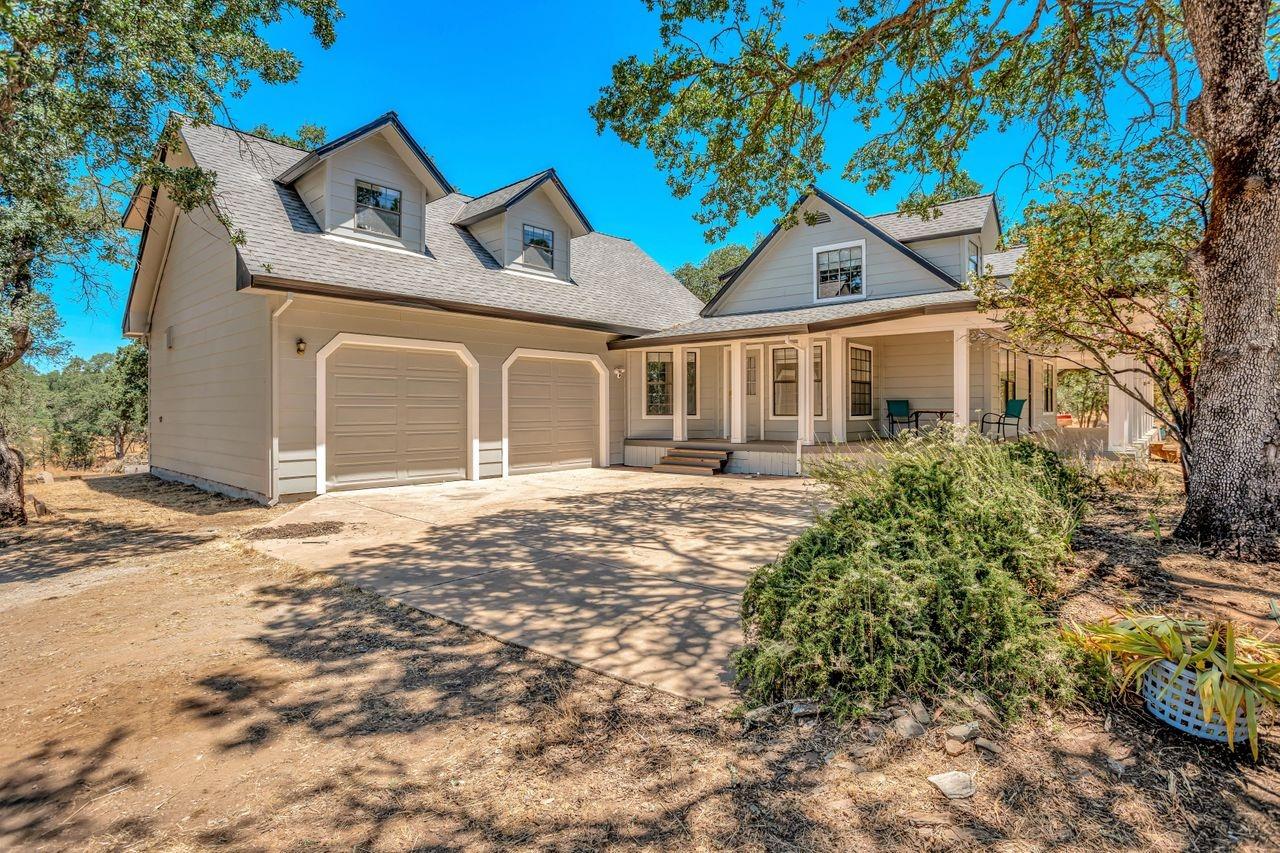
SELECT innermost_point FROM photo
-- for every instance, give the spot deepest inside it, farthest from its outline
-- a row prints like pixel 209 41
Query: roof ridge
pixel 538 174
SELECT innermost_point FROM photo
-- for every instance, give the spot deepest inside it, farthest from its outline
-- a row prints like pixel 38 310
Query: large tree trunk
pixel 1233 499
pixel 13 500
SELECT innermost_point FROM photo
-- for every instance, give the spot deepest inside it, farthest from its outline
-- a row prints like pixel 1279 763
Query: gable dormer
pixel 831 254
pixel 370 184
pixel 527 226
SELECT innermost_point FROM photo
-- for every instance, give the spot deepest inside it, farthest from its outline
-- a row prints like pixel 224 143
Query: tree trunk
pixel 13 499
pixel 1233 498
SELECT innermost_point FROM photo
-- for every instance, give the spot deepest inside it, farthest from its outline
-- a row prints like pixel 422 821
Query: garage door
pixel 394 416
pixel 552 419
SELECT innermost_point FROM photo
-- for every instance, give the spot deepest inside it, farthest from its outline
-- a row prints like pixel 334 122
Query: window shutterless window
pixel 751 376
pixel 539 247
pixel 975 259
pixel 658 381
pixel 838 272
pixel 1050 404
pixel 377 209
pixel 819 407
pixel 786 370
pixel 1008 376
pixel 859 381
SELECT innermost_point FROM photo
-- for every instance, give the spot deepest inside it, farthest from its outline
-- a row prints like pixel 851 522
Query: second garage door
pixel 395 416
pixel 552 415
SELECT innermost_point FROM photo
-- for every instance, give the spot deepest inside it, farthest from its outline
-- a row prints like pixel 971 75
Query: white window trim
pixel 644 385
pixel 602 401
pixel 813 272
pixel 387 342
pixel 697 385
pixel 538 270
pixel 872 354
pixel 768 408
pixel 821 400
pixel 355 211
pixel 964 255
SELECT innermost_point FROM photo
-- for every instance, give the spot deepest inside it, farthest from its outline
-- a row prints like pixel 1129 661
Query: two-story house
pixel 369 325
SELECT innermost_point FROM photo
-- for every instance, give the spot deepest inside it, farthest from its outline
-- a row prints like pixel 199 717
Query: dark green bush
pixel 928 570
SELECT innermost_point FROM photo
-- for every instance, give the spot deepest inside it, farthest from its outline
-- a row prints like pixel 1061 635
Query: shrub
pixel 928 569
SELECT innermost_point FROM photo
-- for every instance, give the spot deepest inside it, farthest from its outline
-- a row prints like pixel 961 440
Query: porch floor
pixel 850 447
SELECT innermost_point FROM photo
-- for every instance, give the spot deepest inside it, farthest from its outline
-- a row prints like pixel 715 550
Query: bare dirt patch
pixel 167 687
pixel 293 531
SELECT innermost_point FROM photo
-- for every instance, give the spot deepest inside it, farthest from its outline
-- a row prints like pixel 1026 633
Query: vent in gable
pixel 819 218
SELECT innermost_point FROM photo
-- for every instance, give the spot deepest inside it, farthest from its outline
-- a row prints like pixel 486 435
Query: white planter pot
pixel 1181 708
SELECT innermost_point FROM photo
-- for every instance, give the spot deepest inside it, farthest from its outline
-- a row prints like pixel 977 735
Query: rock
pixel 1119 766
pixel 800 710
pixel 955 747
pixel 860 751
pixel 964 732
pixel 926 819
pixel 989 746
pixel 44 477
pixel 756 716
pixel 954 784
pixel 907 728
pixel 898 713
pixel 917 710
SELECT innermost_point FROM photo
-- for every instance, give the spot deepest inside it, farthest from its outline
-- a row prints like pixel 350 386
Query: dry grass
pixel 168 688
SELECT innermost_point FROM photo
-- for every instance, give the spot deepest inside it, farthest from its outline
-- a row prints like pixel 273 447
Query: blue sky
pixel 495 96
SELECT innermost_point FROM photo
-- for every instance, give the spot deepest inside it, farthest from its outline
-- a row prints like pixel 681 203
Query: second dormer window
pixel 539 248
pixel 377 209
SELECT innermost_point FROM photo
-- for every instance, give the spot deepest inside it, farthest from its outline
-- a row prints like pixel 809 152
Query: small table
pixel 938 413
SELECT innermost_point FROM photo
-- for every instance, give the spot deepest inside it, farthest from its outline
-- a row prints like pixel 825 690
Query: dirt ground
pixel 162 686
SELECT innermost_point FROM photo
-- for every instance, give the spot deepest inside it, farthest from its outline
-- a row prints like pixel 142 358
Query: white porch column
pixel 839 388
pixel 679 423
pixel 1119 409
pixel 960 377
pixel 804 380
pixel 737 393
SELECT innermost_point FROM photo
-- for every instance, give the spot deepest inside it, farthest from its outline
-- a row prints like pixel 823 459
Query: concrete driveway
pixel 633 574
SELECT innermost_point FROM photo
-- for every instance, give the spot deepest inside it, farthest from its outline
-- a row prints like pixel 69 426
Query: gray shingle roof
pixel 1003 263
pixel 864 311
pixel 615 285
pixel 964 214
pixel 489 203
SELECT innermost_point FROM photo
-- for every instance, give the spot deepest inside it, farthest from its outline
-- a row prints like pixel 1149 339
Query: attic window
pixel 539 247
pixel 838 271
pixel 377 209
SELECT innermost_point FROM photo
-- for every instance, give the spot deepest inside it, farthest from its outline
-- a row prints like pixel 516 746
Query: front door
pixel 755 363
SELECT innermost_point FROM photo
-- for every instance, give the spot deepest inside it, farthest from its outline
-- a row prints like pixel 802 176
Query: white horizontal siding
pixel 539 210
pixel 373 159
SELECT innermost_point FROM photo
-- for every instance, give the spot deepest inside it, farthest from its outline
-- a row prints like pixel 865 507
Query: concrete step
pixel 693 470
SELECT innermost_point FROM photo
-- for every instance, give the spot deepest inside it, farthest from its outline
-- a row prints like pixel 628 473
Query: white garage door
pixel 552 415
pixel 394 416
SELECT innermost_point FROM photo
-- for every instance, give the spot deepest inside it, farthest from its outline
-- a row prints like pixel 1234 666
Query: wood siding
pixel 491 234
pixel 210 365
pixel 373 159
pixel 539 210
pixel 782 276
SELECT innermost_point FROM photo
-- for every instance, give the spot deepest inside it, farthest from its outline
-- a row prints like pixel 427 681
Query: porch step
pixel 693 462
pixel 699 453
pixel 695 470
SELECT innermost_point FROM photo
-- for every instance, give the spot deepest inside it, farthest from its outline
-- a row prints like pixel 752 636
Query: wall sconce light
pixel 618 372
pixel 301 346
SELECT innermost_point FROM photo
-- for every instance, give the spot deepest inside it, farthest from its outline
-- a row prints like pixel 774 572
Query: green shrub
pixel 927 570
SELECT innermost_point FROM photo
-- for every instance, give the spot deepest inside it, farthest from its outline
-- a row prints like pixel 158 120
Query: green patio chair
pixel 1012 416
pixel 900 415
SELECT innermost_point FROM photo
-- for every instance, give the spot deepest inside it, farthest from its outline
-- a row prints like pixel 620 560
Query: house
pixel 370 325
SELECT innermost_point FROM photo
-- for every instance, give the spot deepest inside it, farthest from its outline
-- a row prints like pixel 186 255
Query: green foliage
pixel 737 101
pixel 307 137
pixel 703 280
pixel 1105 270
pixel 85 89
pixel 25 414
pixel 1083 393
pixel 928 572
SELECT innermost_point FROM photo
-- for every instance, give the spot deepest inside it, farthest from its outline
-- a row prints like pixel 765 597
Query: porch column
pixel 1119 409
pixel 737 393
pixel 804 396
pixel 679 425
pixel 960 377
pixel 839 388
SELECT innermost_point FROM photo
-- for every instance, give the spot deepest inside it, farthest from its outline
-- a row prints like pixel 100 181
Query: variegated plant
pixel 1233 670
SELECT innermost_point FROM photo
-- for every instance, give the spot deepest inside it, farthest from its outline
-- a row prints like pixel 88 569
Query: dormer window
pixel 539 247
pixel 838 271
pixel 975 259
pixel 377 209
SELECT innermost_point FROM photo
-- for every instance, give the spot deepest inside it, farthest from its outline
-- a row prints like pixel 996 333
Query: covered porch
pixel 772 397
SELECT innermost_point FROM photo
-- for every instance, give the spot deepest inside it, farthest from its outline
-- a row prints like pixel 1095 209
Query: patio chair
pixel 1012 416
pixel 900 415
